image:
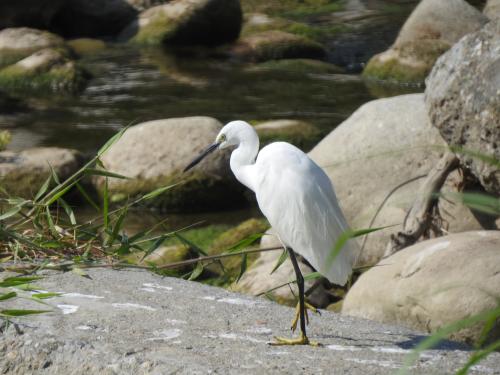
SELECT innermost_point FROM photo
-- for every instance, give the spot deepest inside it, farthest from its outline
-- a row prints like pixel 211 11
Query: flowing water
pixel 132 85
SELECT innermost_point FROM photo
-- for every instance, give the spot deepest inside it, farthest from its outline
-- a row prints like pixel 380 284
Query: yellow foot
pixel 302 340
pixel 297 315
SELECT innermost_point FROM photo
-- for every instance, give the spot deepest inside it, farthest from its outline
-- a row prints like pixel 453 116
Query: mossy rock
pixel 21 42
pixel 86 46
pixel 410 62
pixel 45 70
pixel 202 22
pixel 276 45
pixel 5 138
pixel 230 238
pixel 299 133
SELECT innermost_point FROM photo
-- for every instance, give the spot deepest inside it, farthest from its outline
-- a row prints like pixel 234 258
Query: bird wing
pixel 299 201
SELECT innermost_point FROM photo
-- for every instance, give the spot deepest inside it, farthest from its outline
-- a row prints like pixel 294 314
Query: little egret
pixel 298 199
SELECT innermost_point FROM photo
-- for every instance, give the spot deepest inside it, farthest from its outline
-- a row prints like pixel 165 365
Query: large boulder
pixel 384 144
pixel 433 27
pixel 299 133
pixel 93 18
pixel 20 42
pixel 275 45
pixel 136 322
pixel 432 284
pixel 187 22
pixel 22 174
pixel 463 101
pixel 492 9
pixel 46 70
pixel 153 154
pixel 32 13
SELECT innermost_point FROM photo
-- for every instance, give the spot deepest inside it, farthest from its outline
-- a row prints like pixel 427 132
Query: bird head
pixel 230 135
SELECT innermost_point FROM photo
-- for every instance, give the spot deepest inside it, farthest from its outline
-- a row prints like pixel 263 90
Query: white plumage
pixel 295 195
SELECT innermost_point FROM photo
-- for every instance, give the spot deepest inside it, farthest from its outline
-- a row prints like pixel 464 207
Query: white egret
pixel 297 198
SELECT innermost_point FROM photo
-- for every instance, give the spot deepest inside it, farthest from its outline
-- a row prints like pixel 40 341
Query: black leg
pixel 300 285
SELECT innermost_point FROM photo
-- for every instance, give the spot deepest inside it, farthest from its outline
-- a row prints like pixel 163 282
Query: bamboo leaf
pixel 103 172
pixel 43 189
pixel 87 197
pixel 10 213
pixel 111 141
pixel 193 246
pixel 117 227
pixel 14 313
pixel 196 272
pixel 60 193
pixel 7 296
pixel 54 175
pixel 245 242
pixel 281 260
pixel 69 211
pixel 16 281
pixel 46 295
pixel 50 222
pixel 243 266
pixel 157 192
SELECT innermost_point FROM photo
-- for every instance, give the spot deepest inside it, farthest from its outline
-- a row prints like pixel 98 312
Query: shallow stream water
pixel 132 85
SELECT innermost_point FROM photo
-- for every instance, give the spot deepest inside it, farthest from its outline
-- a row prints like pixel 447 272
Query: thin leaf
pixel 7 296
pixel 245 242
pixel 50 222
pixel 46 295
pixel 87 197
pixel 69 211
pixel 281 260
pixel 479 202
pixel 478 356
pixel 60 193
pixel 15 281
pixel 105 204
pixel 10 213
pixel 243 266
pixel 193 246
pixel 13 313
pixel 346 236
pixel 103 172
pixel 155 245
pixel 196 272
pixel 54 175
pixel 117 227
pixel 43 189
pixel 111 141
pixel 312 276
pixel 157 192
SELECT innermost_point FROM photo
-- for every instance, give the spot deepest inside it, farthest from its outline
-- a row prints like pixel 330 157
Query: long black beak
pixel 200 157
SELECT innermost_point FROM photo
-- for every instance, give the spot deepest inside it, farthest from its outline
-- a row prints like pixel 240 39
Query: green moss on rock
pixel 411 62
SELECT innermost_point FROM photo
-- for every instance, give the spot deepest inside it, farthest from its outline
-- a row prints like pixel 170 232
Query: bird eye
pixel 222 138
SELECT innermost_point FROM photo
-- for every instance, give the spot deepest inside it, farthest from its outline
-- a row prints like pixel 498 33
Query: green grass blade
pixel 10 213
pixel 281 260
pixel 111 141
pixel 105 204
pixel 103 172
pixel 478 356
pixel 18 280
pixel 196 272
pixel 243 266
pixel 87 197
pixel 43 189
pixel 312 276
pixel 158 191
pixel 45 295
pixel 50 222
pixel 117 227
pixel 69 211
pixel 245 242
pixel 193 246
pixel 14 313
pixel 60 193
pixel 6 296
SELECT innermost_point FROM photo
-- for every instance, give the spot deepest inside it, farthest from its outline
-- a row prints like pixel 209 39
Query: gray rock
pixel 141 5
pixel 432 284
pixel 463 101
pixel 31 13
pixel 299 133
pixel 433 27
pixel 153 154
pixel 135 322
pixel 48 69
pixel 22 174
pixel 386 143
pixel 275 45
pixel 20 42
pixel 492 9
pixel 93 18
pixel 187 22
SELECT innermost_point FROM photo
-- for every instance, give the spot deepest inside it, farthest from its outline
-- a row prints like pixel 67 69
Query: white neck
pixel 243 159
